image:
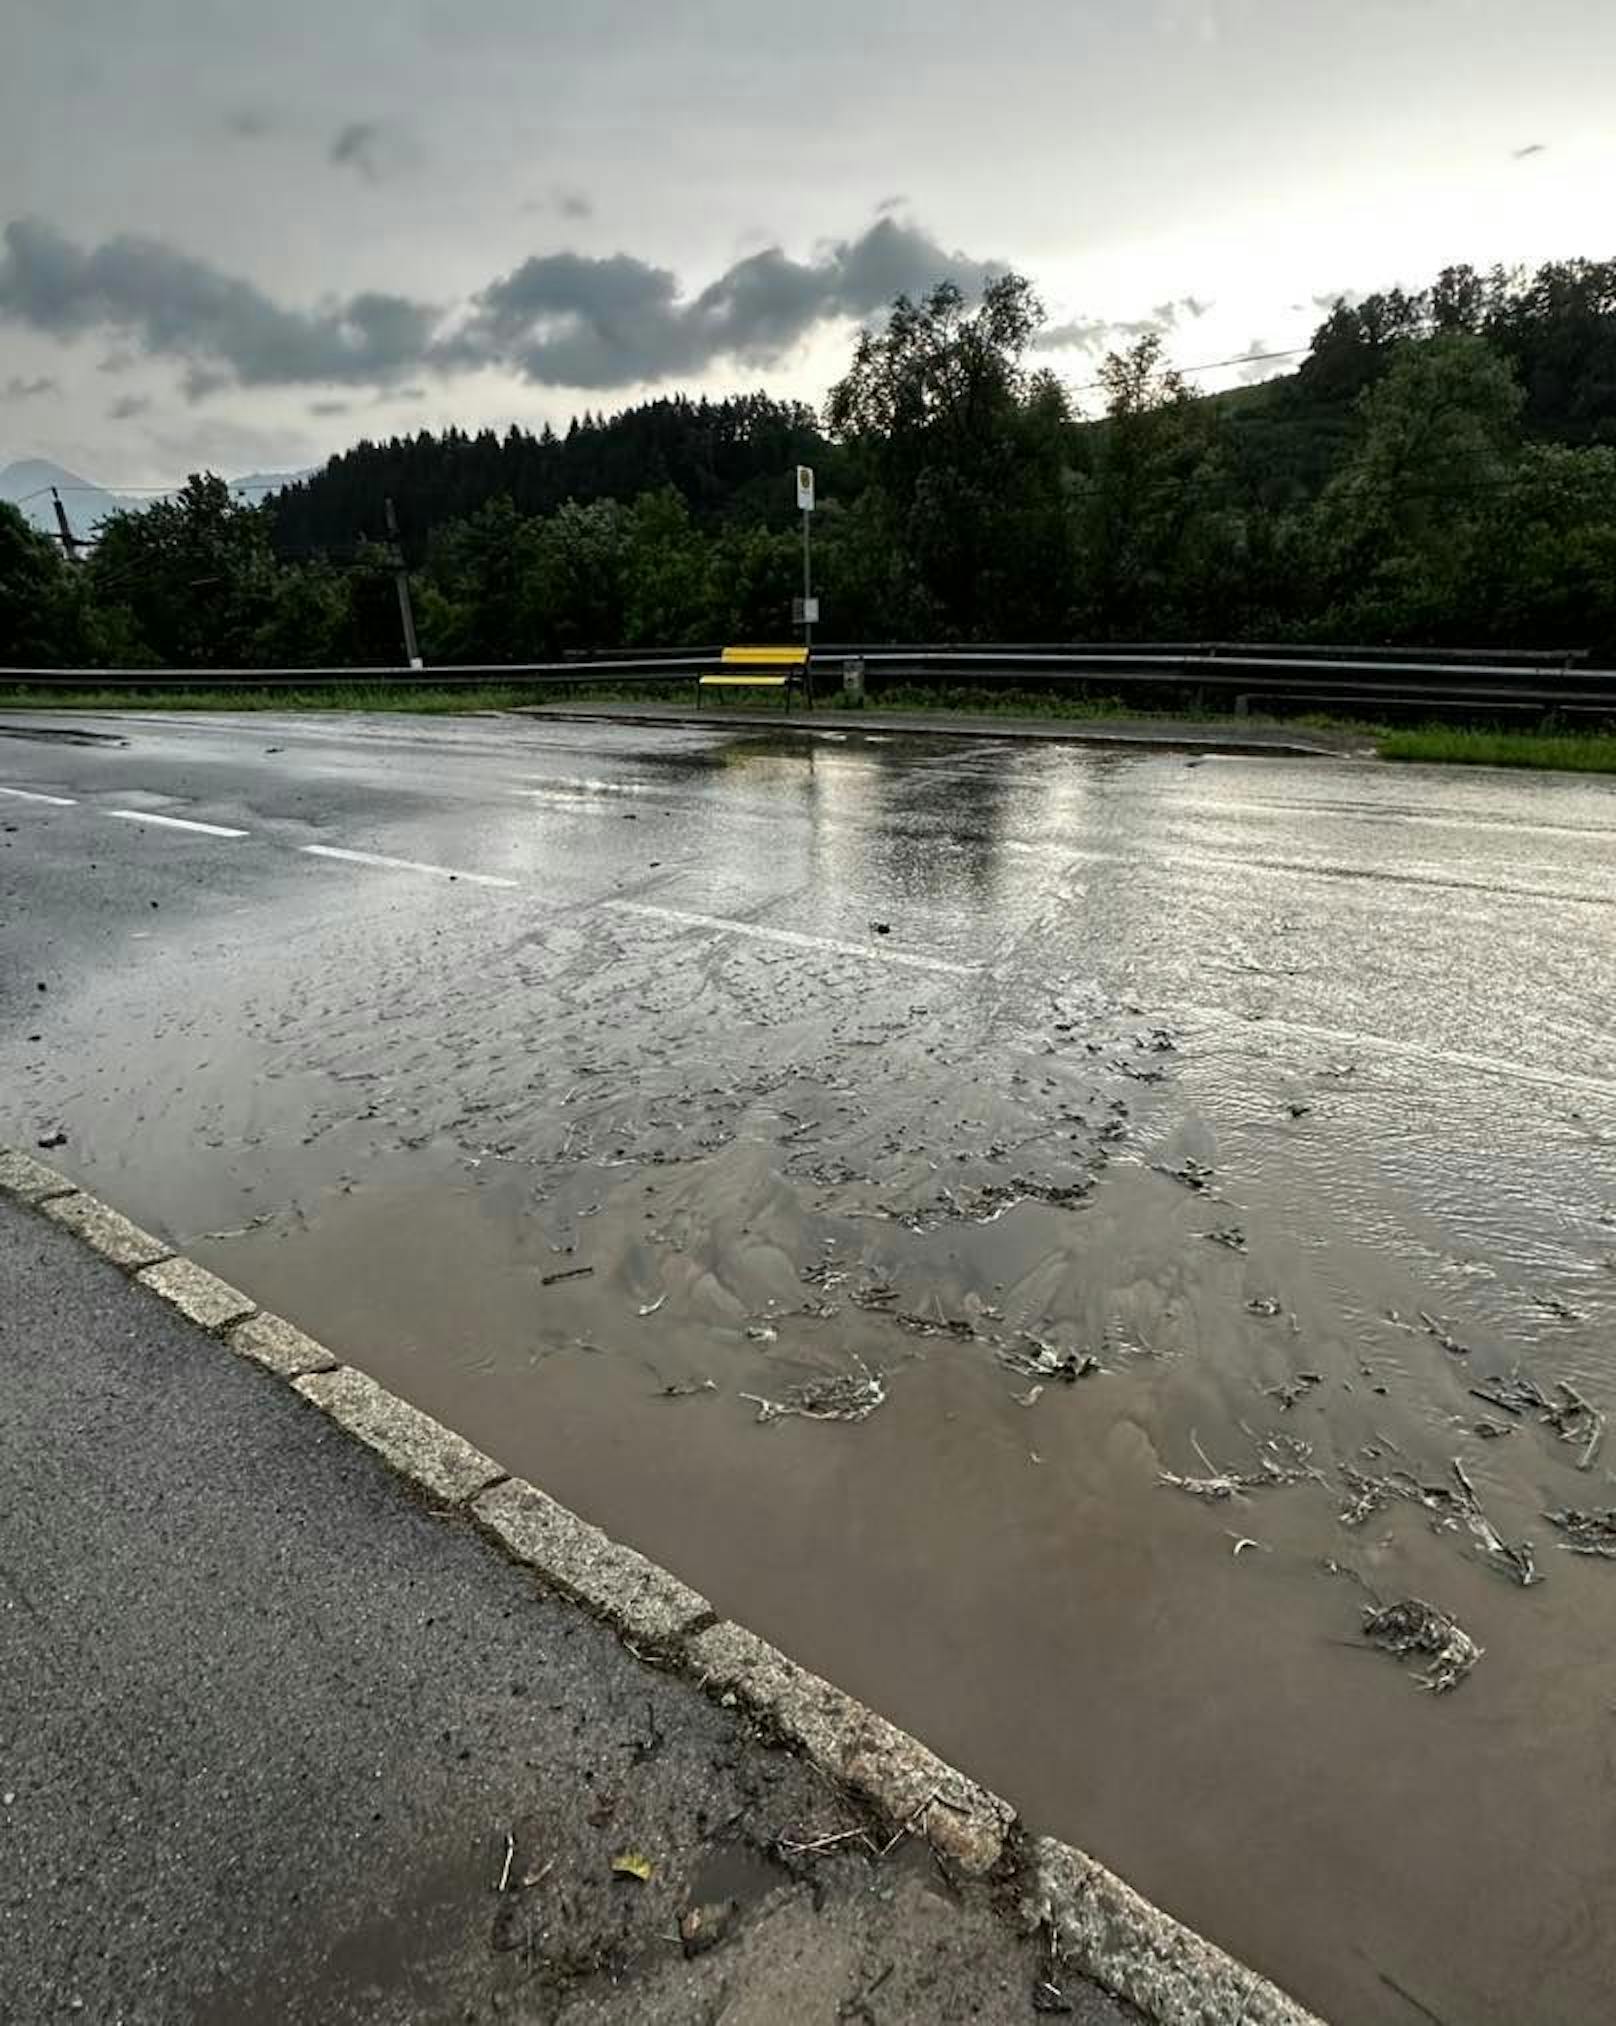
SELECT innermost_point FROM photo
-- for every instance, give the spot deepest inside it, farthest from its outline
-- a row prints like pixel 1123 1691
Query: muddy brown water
pixel 1367 1013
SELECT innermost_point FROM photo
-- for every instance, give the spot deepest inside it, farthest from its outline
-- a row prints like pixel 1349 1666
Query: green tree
pixel 938 404
pixel 195 574
pixel 475 604
pixel 665 587
pixel 38 616
pixel 1393 530
pixel 1160 537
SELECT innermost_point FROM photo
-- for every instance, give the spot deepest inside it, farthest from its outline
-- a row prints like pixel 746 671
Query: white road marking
pixel 33 795
pixel 725 925
pixel 792 938
pixel 174 822
pixel 406 865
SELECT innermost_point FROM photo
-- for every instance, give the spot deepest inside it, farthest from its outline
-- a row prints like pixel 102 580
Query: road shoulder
pixel 453 1768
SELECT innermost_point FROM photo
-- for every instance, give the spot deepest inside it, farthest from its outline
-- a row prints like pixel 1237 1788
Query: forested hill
pixel 723 458
pixel 1557 331
pixel 1441 470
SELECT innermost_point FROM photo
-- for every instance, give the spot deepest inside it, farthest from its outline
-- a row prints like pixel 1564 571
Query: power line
pixel 1208 365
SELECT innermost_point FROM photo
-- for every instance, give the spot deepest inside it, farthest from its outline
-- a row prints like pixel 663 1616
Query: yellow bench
pixel 779 668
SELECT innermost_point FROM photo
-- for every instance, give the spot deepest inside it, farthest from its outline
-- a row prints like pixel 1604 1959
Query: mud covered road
pixel 1081 1121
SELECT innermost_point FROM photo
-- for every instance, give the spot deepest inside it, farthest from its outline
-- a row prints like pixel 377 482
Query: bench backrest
pixel 764 657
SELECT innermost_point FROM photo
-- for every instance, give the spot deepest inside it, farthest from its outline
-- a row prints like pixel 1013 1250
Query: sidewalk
pixel 273 1730
pixel 1231 735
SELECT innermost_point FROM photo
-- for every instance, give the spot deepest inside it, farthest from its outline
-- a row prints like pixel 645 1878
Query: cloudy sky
pixel 242 235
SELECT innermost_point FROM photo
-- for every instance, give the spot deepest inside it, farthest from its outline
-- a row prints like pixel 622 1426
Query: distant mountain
pixel 258 485
pixel 27 485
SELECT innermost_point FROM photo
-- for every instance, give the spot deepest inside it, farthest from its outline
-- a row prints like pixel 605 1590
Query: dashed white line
pixel 793 938
pixel 407 865
pixel 725 925
pixel 33 795
pixel 174 822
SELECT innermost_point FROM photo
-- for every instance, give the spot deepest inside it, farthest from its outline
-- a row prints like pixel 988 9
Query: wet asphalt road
pixel 265 1724
pixel 928 1061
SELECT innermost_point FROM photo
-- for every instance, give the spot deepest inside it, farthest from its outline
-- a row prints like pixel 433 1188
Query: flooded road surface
pixel 1155 1160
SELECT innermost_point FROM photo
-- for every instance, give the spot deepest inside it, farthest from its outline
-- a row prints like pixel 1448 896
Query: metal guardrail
pixel 1470 680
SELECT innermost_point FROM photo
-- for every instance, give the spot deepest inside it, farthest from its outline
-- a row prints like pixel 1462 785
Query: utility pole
pixel 70 541
pixel 401 577
pixel 807 581
pixel 805 500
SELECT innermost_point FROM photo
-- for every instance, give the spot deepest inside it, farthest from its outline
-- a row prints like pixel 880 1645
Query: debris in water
pixel 1587 1533
pixel 684 1389
pixel 1190 1172
pixel 1244 1541
pixel 1516 1562
pixel 1572 1418
pixel 762 1333
pixel 940 1325
pixel 1039 1360
pixel 1489 1431
pixel 1450 1344
pixel 570 1273
pixel 1416 1627
pixel 1230 1235
pixel 652 1307
pixel 842 1397
pixel 55 1139
pixel 1221 1484
pixel 1453 1508
pixel 1297 1109
pixel 1264 1304
pixel 1030 1398
pixel 1294 1389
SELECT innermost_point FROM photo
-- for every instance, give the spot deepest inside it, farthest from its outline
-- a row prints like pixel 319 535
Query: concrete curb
pixel 1059 732
pixel 1099 1925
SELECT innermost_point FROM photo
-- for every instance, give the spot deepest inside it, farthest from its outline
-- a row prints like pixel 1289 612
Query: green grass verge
pixel 1449 745
pixel 356 696
pixel 1465 746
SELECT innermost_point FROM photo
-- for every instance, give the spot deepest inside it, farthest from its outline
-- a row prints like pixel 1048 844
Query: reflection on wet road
pixel 1275 1098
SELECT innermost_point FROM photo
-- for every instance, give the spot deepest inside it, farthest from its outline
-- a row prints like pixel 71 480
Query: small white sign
pixel 805 488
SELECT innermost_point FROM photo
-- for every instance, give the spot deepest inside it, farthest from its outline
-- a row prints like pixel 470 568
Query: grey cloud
pixel 127 407
pixel 559 319
pixel 1335 298
pixel 564 319
pixel 370 149
pixel 888 205
pixel 175 306
pixel 1096 334
pixel 19 389
pixel 1526 153
pixel 574 204
pixel 248 123
pixel 1166 316
pixel 328 407
pixel 1079 336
